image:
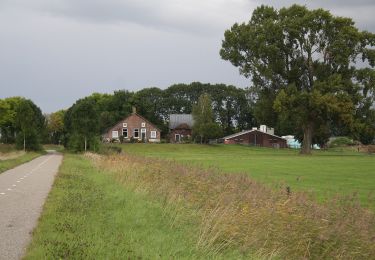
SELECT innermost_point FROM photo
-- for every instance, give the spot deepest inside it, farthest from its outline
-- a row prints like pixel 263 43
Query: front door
pixel 177 138
pixel 143 134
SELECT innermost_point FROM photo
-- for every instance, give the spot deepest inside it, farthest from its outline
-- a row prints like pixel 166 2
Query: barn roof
pixel 249 131
pixel 176 120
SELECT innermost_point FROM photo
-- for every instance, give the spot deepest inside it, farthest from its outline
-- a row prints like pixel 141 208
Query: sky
pixel 57 51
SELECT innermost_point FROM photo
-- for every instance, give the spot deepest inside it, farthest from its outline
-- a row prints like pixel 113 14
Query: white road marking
pixel 14 185
pixel 9 189
pixel 2 193
pixel 18 181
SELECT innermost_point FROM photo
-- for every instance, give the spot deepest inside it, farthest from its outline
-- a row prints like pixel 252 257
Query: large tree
pixel 306 59
pixel 204 125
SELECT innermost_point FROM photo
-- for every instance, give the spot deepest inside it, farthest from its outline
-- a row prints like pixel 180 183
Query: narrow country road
pixel 23 191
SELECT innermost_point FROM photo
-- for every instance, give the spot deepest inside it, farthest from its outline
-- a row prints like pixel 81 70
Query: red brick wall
pixel 134 121
pixel 258 139
pixel 181 132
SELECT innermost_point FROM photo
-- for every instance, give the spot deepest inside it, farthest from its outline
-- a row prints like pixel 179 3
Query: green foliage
pixel 341 141
pixel 302 64
pixel 81 124
pixel 55 127
pixel 11 163
pixel 204 125
pixel 30 125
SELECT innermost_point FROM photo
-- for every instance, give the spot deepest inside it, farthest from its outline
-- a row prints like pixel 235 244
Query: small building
pixel 180 127
pixel 257 137
pixel 134 126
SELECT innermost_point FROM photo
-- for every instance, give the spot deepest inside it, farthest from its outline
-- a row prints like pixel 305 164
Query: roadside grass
pixel 234 213
pixel 11 163
pixel 90 215
pixel 325 173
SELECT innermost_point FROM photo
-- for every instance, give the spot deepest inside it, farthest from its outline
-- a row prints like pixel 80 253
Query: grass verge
pixel 11 163
pixel 89 215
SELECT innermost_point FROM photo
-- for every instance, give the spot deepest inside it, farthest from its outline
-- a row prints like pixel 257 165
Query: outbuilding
pixel 256 137
pixel 180 127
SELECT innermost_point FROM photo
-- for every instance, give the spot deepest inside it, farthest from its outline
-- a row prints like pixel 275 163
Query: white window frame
pixel 179 138
pixel 143 124
pixel 153 134
pixel 126 131
pixel 134 130
pixel 114 135
pixel 124 125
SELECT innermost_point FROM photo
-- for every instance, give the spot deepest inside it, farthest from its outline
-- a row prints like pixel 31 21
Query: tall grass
pixel 234 211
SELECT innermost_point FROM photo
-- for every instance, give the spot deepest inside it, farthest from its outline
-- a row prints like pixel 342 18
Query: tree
pixel 55 126
pixel 81 125
pixel 204 125
pixel 29 125
pixel 306 59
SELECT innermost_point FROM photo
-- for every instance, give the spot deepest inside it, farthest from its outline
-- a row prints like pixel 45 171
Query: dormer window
pixel 143 124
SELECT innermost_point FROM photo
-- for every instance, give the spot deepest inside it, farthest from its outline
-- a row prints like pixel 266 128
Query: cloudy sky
pixel 56 51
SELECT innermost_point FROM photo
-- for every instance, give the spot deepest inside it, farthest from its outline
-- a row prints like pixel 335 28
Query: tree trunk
pixel 85 144
pixel 307 138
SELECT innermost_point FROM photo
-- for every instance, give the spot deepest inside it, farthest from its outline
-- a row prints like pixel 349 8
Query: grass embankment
pixel 88 215
pixel 325 173
pixel 10 157
pixel 129 207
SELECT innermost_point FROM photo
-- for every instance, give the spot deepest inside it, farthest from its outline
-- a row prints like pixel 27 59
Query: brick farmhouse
pixel 134 126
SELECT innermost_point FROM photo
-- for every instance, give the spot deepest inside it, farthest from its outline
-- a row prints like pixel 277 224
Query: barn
pixel 133 127
pixel 180 127
pixel 262 137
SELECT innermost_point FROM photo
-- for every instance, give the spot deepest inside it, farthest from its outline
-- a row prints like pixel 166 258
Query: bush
pixel 341 141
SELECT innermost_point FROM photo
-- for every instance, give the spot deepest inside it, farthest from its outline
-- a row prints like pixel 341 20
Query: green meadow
pixel 324 174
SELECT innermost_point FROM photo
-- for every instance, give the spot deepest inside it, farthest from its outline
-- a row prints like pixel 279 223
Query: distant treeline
pixel 234 109
pixel 92 115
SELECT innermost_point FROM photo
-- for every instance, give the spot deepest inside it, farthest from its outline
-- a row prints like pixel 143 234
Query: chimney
pixel 134 109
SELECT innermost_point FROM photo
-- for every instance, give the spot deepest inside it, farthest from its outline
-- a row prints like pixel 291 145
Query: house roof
pixel 249 131
pixel 176 120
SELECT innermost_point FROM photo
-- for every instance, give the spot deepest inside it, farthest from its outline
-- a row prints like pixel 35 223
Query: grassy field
pixel 133 207
pixel 325 173
pixel 89 215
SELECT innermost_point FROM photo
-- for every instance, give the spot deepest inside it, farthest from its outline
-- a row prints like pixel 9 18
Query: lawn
pixel 325 173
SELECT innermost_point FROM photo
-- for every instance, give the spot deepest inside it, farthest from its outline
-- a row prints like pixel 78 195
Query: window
pixel 125 132
pixel 177 138
pixel 114 134
pixel 143 124
pixel 153 134
pixel 136 133
pixel 124 125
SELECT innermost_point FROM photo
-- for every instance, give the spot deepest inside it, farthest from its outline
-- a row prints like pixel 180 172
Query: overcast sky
pixel 56 51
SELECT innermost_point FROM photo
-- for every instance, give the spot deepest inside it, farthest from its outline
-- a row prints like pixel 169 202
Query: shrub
pixel 341 141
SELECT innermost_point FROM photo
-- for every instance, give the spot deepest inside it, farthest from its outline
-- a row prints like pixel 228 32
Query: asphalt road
pixel 23 191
